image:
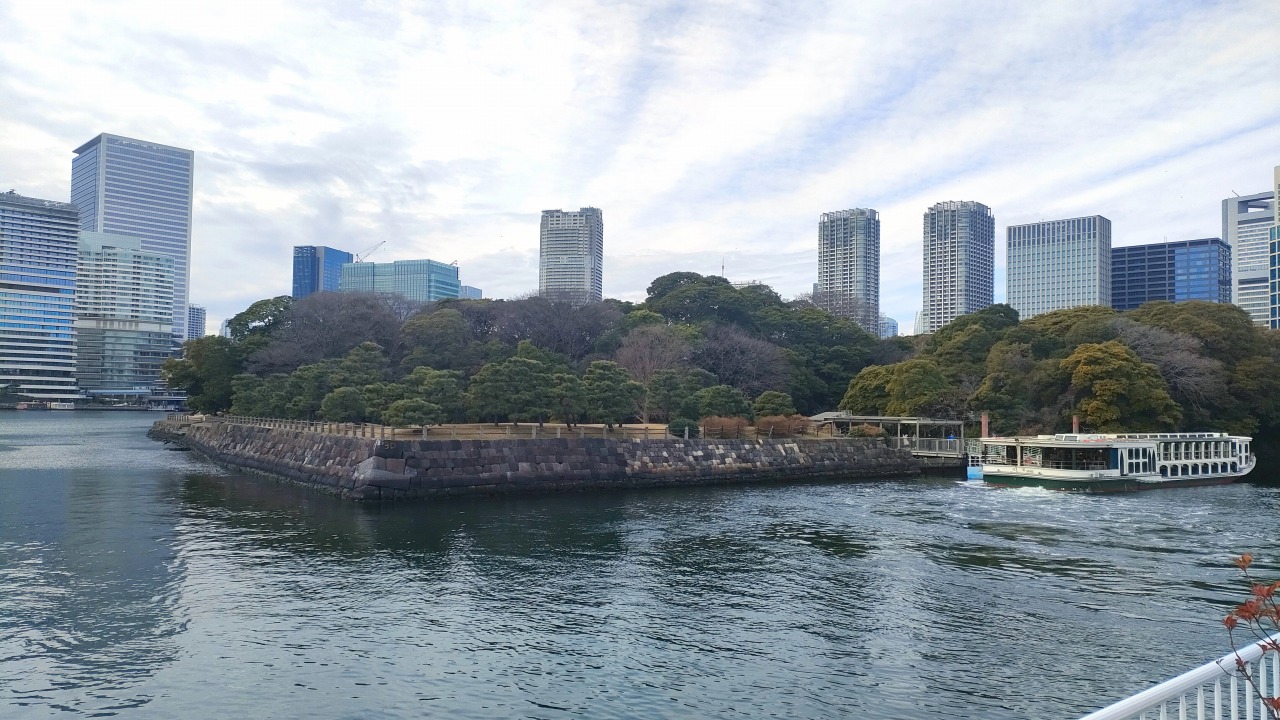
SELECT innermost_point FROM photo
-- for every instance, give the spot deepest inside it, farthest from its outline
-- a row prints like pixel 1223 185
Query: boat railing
pixel 1217 689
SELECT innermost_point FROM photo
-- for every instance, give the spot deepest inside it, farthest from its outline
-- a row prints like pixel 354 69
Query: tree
pixel 517 388
pixel 442 388
pixel 722 401
pixel 748 364
pixel 413 411
pixel 363 365
pixel 568 399
pixel 205 371
pixel 667 390
pixel 260 319
pixel 772 402
pixel 669 283
pixel 328 325
pixel 650 348
pixel 706 301
pixel 868 392
pixel 440 339
pixel 345 404
pixel 1117 392
pixel 563 328
pixel 611 395
pixel 306 387
pixel 379 397
pixel 916 388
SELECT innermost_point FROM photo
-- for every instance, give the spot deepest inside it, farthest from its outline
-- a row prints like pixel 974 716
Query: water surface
pixel 139 582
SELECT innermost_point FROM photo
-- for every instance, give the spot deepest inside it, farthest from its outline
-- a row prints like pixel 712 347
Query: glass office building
pixel 1173 271
pixel 1058 264
pixel 1246 227
pixel 420 280
pixel 1274 264
pixel 571 255
pixel 471 293
pixel 124 316
pixel 888 327
pixel 317 269
pixel 959 262
pixel 37 295
pixel 139 189
pixel 849 266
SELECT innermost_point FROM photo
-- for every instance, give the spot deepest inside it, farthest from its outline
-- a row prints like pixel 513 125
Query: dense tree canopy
pixel 699 346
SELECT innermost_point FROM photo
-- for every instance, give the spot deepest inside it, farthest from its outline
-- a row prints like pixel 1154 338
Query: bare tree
pixel 1190 376
pixel 559 327
pixel 328 325
pixel 748 364
pixel 650 348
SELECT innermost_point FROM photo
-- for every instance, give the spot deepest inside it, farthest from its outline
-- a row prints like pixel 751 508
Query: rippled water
pixel 147 583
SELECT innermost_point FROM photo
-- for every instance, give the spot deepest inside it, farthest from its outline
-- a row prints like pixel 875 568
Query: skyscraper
pixel 37 294
pixel 124 315
pixel 571 255
pixel 1058 264
pixel 1173 271
pixel 139 189
pixel 195 321
pixel 419 280
pixel 317 269
pixel 849 266
pixel 1275 256
pixel 1246 227
pixel 959 261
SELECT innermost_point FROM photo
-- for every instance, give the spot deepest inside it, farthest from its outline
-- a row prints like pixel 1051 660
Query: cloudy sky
pixel 707 132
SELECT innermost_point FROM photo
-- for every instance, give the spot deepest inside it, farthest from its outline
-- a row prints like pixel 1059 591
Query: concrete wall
pixel 369 469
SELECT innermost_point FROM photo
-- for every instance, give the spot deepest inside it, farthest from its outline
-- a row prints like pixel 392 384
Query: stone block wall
pixel 368 469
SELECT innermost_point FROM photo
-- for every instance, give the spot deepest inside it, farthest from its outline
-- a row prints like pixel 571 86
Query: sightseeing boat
pixel 1112 463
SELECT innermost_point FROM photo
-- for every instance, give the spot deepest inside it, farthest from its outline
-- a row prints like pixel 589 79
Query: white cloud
pixel 705 131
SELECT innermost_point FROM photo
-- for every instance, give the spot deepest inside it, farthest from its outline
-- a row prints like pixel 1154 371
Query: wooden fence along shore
pixel 504 431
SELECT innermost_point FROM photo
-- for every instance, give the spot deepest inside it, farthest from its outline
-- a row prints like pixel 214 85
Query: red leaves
pixel 1244 561
pixel 1230 621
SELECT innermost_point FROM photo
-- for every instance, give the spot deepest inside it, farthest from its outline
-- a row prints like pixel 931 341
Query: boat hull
pixel 1105 485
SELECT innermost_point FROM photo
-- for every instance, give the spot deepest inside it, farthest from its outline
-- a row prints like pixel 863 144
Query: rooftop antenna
pixel 721 266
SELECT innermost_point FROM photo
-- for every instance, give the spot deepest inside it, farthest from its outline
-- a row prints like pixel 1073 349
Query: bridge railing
pixel 1217 690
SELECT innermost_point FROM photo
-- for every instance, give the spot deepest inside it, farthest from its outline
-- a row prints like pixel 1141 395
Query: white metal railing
pixel 941 446
pixel 1215 690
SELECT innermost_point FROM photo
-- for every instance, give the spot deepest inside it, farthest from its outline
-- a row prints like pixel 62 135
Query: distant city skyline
pixel 315 125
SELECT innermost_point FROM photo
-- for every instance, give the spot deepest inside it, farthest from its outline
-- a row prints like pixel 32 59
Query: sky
pixel 711 134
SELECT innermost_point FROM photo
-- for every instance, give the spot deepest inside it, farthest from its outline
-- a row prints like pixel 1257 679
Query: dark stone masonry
pixel 377 470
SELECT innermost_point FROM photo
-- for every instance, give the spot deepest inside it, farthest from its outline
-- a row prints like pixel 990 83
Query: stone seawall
pixel 369 469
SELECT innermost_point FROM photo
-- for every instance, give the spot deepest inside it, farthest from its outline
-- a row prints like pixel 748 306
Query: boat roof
pixel 1094 439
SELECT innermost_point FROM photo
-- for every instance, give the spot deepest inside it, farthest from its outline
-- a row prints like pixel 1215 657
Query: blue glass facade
pixel 420 280
pixel 317 269
pixel 139 189
pixel 1174 271
pixel 38 250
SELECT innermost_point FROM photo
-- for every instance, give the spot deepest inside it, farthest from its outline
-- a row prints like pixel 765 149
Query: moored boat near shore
pixel 1113 462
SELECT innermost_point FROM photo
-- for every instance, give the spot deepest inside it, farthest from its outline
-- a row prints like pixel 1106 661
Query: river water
pixel 141 582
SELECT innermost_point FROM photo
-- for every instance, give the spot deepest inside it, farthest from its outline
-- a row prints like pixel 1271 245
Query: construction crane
pixel 361 257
